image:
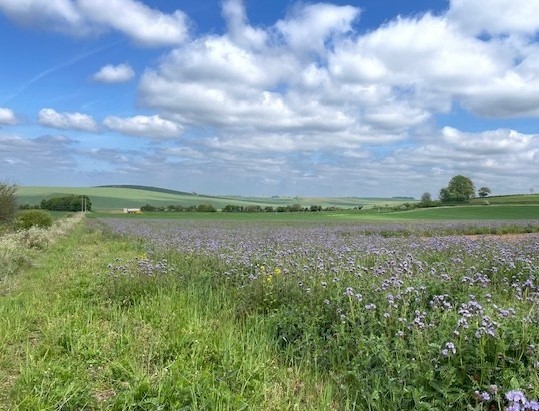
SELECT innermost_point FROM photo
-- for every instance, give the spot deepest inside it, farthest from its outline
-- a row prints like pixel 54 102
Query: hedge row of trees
pixel 460 189
pixel 203 208
pixel 234 208
pixel 292 208
pixel 67 203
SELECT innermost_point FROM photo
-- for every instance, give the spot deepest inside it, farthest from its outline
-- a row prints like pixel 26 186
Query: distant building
pixel 132 211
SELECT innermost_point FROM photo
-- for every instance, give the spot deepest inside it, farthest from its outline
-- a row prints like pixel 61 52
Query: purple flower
pixel 516 397
pixel 482 396
pixel 449 349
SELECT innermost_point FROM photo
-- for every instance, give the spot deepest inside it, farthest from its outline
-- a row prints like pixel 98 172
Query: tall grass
pixel 17 249
pixel 392 323
pixel 98 325
pixel 231 317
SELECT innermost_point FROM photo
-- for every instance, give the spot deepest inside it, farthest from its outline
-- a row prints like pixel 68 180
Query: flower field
pixel 394 317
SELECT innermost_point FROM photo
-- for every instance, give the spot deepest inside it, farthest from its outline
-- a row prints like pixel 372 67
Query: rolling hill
pixel 117 197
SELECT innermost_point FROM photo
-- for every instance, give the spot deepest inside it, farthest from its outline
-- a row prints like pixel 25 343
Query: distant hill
pixel 513 199
pixel 117 197
pixel 148 188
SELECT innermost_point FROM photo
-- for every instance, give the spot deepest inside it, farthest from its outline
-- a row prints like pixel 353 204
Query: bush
pixel 8 206
pixel 29 218
pixel 67 203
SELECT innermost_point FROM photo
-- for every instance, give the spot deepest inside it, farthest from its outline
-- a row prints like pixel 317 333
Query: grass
pixel 72 337
pixel 521 199
pixel 491 212
pixel 117 198
pixel 295 315
pixel 389 323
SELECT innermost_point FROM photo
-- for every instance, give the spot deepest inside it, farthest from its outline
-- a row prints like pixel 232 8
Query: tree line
pixel 235 208
pixel 460 189
pixel 70 202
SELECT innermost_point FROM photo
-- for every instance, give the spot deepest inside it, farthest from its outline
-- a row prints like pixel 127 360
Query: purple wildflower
pixel 516 396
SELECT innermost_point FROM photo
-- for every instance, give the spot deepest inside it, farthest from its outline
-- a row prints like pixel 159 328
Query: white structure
pixel 132 211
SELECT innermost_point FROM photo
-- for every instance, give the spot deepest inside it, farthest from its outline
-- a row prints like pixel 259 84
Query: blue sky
pixel 259 97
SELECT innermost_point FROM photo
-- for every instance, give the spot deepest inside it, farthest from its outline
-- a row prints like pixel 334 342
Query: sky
pixel 377 98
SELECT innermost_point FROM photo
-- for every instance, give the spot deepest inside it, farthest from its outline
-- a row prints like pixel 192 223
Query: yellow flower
pixel 277 271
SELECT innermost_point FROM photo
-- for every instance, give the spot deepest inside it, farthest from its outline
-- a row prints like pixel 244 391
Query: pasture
pixel 115 198
pixel 311 311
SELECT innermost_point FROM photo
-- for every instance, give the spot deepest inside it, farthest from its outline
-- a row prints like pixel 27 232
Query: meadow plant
pixel 18 248
pixel 397 321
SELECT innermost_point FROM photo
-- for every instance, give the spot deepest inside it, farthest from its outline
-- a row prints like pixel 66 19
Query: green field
pixel 235 313
pixel 491 212
pixel 117 198
pixel 509 199
pixel 111 200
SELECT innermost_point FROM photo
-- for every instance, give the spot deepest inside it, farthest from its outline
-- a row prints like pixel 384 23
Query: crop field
pixel 116 198
pixel 491 212
pixel 229 314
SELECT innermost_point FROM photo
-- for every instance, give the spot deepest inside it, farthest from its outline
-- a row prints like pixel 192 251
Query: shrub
pixel 29 218
pixel 67 203
pixel 8 206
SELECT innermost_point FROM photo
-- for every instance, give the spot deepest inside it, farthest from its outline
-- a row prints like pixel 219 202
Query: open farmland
pixel 399 323
pixel 314 314
pixel 115 198
pixel 491 212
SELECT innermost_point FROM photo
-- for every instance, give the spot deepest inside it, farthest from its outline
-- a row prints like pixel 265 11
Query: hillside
pixel 115 198
pixel 516 199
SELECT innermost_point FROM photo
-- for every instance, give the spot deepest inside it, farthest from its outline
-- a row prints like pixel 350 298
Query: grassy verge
pixel 96 325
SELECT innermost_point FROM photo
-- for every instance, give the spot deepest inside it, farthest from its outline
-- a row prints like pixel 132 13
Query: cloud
pixel 144 126
pixel 475 17
pixel 309 27
pixel 58 15
pixel 43 153
pixel 7 117
pixel 238 27
pixel 265 108
pixel 502 158
pixel 144 25
pixel 114 74
pixel 49 117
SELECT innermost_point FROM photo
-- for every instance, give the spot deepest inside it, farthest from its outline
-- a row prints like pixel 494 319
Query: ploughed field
pixel 391 316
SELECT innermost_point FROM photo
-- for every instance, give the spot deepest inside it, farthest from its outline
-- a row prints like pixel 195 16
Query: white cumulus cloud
pixel 7 117
pixel 143 24
pixel 496 16
pixel 49 117
pixel 114 74
pixel 144 126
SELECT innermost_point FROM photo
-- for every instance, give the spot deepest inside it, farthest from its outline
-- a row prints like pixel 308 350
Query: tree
pixel 484 192
pixel 8 205
pixel 460 188
pixel 426 199
pixel 67 203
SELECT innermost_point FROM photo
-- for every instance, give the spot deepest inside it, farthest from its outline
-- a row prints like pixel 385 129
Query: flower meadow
pixel 396 317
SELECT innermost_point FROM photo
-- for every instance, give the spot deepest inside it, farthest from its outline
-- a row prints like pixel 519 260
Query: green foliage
pixel 33 218
pixel 206 208
pixel 459 189
pixel 484 192
pixel 86 340
pixel 67 203
pixel 8 205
